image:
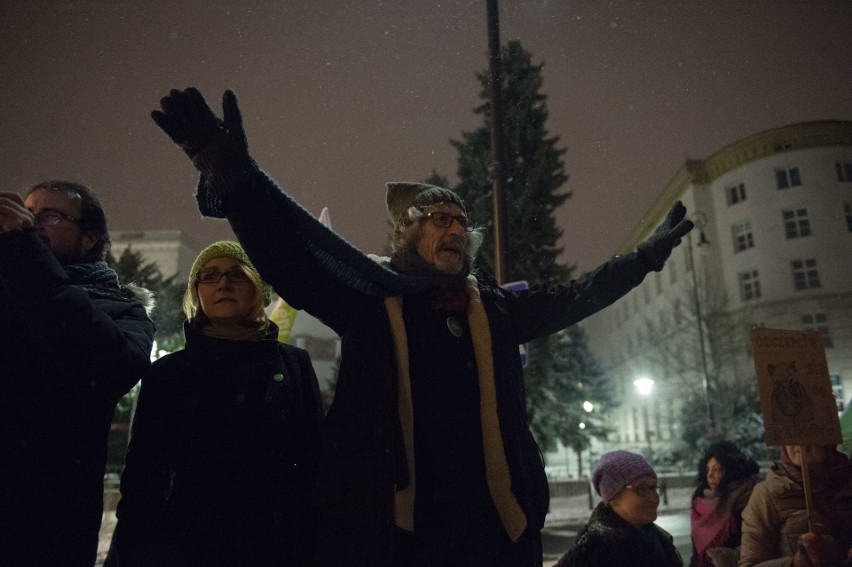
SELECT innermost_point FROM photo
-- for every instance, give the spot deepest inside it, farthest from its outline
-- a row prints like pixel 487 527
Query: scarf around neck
pixel 710 525
pixel 498 476
pixel 831 474
pixel 99 281
pixel 254 333
pixel 450 296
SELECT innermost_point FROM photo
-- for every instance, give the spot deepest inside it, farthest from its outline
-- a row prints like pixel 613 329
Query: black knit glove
pixel 217 147
pixel 657 249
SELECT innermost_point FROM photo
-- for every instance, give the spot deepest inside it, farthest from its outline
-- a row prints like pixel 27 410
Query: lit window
pixel 805 274
pixel 743 237
pixel 735 193
pixel 788 177
pixel 796 223
pixel 749 285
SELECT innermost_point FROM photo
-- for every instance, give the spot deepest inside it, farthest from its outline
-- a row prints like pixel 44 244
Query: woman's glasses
pixel 214 276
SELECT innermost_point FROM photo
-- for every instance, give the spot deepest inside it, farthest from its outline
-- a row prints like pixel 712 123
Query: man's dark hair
pixel 736 465
pixel 92 217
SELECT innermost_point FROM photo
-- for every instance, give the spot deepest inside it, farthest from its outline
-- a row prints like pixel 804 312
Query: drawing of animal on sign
pixel 792 405
pixel 795 389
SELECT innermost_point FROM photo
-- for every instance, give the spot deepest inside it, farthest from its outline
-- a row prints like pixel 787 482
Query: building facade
pixel 167 248
pixel 772 247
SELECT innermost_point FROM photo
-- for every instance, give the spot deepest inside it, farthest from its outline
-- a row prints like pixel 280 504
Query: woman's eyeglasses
pixel 643 490
pixel 52 218
pixel 214 276
pixel 445 220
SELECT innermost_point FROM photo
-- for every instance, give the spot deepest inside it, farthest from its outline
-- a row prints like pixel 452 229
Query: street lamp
pixel 644 386
pixel 588 407
pixel 700 220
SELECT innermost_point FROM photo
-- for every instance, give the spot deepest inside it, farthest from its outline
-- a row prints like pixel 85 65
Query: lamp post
pixel 588 407
pixel 700 220
pixel 644 386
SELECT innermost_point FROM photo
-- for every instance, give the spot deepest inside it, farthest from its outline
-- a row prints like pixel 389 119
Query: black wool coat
pixel 607 541
pixel 364 459
pixel 69 350
pixel 222 460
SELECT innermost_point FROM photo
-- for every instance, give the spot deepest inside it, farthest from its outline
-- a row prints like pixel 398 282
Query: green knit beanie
pixel 228 249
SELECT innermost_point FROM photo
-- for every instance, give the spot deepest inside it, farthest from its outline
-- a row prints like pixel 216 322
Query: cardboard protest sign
pixel 795 389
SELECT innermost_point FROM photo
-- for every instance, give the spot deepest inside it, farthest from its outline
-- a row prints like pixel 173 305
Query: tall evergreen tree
pixel 534 170
pixel 561 374
pixel 132 268
pixel 583 386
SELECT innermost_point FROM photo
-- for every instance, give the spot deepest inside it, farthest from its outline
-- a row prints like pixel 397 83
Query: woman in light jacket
pixel 775 521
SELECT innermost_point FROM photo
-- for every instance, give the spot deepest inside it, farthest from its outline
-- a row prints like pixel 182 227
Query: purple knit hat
pixel 616 470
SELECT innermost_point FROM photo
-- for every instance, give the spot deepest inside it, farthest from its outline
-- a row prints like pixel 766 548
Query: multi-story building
pixel 772 247
pixel 167 248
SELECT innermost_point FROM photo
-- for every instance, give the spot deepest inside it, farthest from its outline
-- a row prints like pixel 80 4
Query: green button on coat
pixel 278 377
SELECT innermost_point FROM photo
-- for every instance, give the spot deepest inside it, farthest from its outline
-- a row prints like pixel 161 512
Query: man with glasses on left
pixel 73 341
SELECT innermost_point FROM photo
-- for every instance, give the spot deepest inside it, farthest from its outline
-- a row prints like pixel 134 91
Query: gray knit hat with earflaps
pixel 403 195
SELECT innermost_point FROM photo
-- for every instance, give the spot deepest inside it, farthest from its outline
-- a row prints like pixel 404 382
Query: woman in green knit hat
pixel 223 455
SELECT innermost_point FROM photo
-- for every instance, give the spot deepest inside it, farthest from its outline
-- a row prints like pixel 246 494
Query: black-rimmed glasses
pixel 214 276
pixel 445 220
pixel 644 490
pixel 52 218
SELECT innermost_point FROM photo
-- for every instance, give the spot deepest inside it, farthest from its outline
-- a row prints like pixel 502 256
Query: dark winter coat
pixel 72 342
pixel 222 460
pixel 776 514
pixel 364 460
pixel 609 541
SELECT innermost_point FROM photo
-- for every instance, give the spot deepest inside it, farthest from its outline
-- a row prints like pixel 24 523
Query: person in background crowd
pixel 73 341
pixel 621 529
pixel 222 461
pixel 726 477
pixel 775 530
pixel 427 455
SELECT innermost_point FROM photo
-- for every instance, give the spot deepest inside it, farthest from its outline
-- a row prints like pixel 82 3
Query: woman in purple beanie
pixel 621 529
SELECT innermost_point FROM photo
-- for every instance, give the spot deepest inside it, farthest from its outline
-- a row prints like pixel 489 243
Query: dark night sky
pixel 341 96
